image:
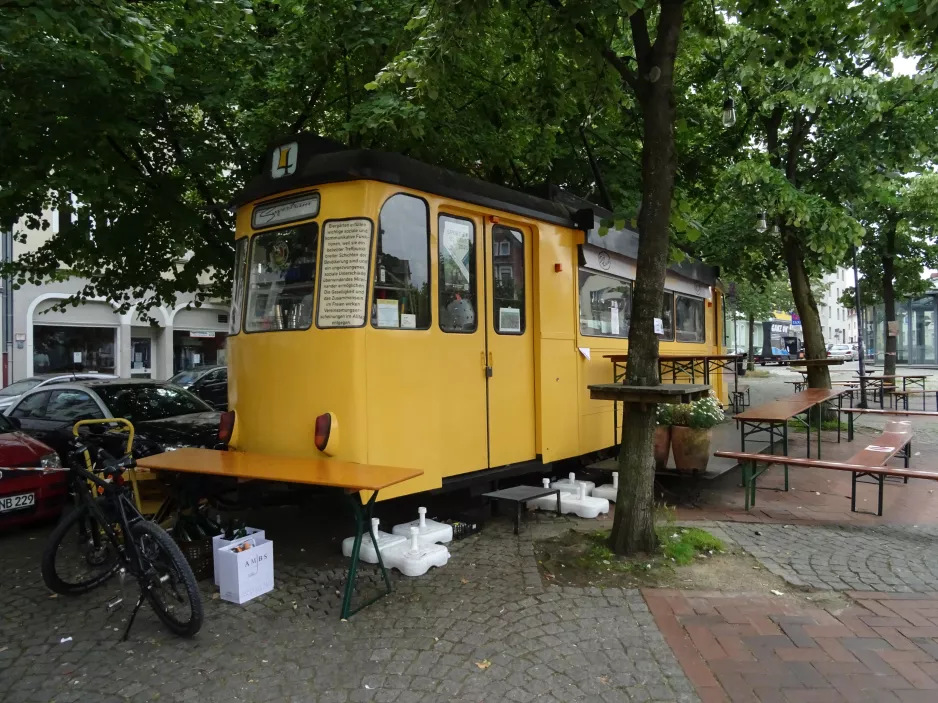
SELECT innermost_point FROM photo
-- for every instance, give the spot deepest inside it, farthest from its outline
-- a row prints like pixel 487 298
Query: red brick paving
pixel 754 649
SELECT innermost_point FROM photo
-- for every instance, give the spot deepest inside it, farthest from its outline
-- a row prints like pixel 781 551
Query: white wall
pixel 838 323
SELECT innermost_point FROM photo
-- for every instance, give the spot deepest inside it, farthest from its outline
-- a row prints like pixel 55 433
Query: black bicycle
pixel 105 535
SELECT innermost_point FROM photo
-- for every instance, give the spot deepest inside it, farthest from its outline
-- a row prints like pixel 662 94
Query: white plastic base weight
pixel 430 531
pixel 609 491
pixel 569 484
pixel 412 558
pixel 367 552
pixel 579 504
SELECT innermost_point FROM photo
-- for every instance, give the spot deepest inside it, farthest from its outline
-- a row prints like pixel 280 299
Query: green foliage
pixel 684 543
pixel 664 414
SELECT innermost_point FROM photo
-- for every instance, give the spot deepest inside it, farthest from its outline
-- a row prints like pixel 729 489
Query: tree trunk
pixel 818 376
pixel 633 528
pixel 889 300
pixel 751 364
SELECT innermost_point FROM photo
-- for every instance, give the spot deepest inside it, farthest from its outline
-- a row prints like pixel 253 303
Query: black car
pixel 164 416
pixel 210 383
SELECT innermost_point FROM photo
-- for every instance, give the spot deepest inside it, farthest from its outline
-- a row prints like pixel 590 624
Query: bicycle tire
pixel 57 541
pixel 148 536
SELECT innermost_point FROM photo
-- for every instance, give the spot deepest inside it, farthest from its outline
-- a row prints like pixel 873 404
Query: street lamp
pixel 729 113
pixel 761 224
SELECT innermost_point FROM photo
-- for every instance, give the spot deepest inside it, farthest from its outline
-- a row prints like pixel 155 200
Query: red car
pixel 28 496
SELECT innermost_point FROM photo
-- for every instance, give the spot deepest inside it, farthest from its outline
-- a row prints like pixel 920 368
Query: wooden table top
pixel 882 377
pixel 781 410
pixel 662 393
pixel 815 362
pixel 678 357
pixel 886 446
pixel 317 472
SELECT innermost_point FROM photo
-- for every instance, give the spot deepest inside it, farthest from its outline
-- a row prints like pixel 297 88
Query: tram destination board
pixel 343 279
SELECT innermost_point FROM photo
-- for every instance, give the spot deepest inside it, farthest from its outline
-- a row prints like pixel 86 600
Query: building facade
pixel 839 324
pixel 916 331
pixel 95 337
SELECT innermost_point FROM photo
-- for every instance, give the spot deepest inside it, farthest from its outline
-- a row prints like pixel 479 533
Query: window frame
pixel 247 281
pixel 369 278
pixel 579 295
pixel 496 278
pixel 475 273
pixel 672 338
pixel 703 304
pixel 240 306
pixel 376 234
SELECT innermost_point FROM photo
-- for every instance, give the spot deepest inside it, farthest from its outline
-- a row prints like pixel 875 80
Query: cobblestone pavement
pixel 483 628
pixel 748 649
pixel 885 558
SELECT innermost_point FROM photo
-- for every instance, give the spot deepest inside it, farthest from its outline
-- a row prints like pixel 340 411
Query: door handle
pixel 487 367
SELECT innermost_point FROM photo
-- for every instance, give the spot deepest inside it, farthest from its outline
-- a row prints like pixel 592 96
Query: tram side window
pixel 237 292
pixel 605 305
pixel 281 278
pixel 402 266
pixel 691 322
pixel 457 274
pixel 667 317
pixel 508 274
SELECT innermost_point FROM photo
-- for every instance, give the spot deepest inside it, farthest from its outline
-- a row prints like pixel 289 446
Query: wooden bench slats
pixel 873 457
pixel 833 465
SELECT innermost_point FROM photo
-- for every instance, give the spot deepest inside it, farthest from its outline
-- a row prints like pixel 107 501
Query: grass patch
pixel 826 425
pixel 759 373
pixel 584 558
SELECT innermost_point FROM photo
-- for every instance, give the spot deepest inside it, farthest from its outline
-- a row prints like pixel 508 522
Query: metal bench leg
pixel 905 459
pixel 882 484
pixel 850 427
pixel 746 471
pixel 363 515
pixel 853 492
pixel 785 451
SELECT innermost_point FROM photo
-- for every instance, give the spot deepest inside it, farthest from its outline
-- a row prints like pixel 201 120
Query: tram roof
pixel 320 161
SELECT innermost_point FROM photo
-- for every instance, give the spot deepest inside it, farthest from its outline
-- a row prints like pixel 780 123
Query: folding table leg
pixel 820 419
pixel 853 492
pixel 785 450
pixel 882 483
pixel 363 513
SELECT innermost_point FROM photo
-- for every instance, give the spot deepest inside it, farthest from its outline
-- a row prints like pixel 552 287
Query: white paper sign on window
pixel 457 241
pixel 509 320
pixel 343 277
pixel 388 313
pixel 659 326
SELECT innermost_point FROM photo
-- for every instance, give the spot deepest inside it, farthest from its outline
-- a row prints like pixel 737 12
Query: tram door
pixel 509 337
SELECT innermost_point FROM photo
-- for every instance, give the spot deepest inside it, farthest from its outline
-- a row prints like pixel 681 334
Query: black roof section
pixel 321 161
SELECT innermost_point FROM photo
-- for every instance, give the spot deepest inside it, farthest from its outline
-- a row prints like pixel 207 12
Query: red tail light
pixel 323 428
pixel 226 426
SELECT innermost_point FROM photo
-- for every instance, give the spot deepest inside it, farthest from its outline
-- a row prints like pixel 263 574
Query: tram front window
pixel 281 278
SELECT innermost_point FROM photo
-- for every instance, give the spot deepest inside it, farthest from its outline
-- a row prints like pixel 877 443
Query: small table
pixel 520 495
pixel 880 383
pixel 671 393
pixel 346 476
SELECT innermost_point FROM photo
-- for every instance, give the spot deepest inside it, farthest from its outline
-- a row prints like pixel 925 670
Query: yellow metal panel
pixel 558 382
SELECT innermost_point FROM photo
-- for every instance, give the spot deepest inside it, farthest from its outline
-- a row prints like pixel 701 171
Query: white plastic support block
pixel 609 491
pixel 414 558
pixel 569 484
pixel 430 531
pixel 367 552
pixel 578 503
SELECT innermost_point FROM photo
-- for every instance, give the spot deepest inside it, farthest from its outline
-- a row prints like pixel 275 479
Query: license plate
pixel 18 502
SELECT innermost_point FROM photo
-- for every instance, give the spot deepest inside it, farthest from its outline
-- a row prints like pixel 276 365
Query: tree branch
pixel 311 103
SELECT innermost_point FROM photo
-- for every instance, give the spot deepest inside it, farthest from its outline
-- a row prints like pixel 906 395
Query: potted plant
pixel 662 435
pixel 691 431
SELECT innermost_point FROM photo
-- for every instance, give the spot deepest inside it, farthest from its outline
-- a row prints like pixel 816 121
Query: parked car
pixel 28 496
pixel 9 394
pixel 164 415
pixel 844 351
pixel 210 383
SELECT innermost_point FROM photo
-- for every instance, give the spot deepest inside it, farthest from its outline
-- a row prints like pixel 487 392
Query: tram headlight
pixel 226 426
pixel 326 433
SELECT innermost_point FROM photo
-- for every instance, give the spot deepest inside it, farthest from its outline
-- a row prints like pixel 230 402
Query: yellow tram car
pixel 393 313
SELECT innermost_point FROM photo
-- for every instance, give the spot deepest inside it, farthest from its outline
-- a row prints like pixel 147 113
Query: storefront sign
pixel 202 334
pixel 289 210
pixel 343 278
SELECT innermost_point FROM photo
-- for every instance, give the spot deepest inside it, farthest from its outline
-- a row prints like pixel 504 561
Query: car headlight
pixel 50 461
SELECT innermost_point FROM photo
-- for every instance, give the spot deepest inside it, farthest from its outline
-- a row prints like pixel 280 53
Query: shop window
pixel 667 317
pixel 691 322
pixel 71 406
pixel 605 305
pixel 457 274
pixel 402 265
pixel 281 279
pixel 237 292
pixel 194 349
pixel 508 265
pixel 32 406
pixel 86 349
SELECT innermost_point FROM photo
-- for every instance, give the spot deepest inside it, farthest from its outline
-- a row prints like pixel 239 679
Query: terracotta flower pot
pixel 691 448
pixel 662 445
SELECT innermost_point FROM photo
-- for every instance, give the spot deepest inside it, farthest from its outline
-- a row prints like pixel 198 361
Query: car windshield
pixel 139 403
pixel 20 387
pixel 185 378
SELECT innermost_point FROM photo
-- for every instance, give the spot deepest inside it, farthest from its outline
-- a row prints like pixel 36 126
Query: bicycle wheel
pixel 79 555
pixel 173 591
